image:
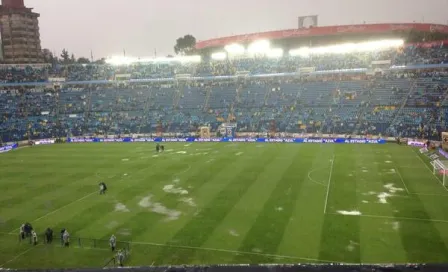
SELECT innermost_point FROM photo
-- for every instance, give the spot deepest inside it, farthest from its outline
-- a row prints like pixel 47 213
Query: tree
pixel 185 45
pixel 65 56
pixel 83 60
pixel 48 56
pixel 100 61
pixel 72 58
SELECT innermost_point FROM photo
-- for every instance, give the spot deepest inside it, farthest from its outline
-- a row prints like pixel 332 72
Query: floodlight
pixel 301 52
pixel 348 48
pixel 262 46
pixel 188 59
pixel 234 49
pixel 182 59
pixel 219 56
pixel 116 60
pixel 275 53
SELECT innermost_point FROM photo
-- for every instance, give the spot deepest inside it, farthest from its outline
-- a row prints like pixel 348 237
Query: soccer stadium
pixel 317 145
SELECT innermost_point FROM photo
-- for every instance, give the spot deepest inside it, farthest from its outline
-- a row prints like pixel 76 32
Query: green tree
pixel 185 45
pixel 83 60
pixel 48 56
pixel 100 61
pixel 65 56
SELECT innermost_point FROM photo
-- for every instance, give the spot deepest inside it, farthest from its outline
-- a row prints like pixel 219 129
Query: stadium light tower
pixel 275 53
pixel 259 47
pixel 348 48
pixel 234 49
pixel 219 56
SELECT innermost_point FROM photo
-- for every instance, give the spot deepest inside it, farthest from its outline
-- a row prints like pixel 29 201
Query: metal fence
pixel 78 242
pixel 336 267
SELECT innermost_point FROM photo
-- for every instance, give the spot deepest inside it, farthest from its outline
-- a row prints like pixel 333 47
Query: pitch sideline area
pixel 224 203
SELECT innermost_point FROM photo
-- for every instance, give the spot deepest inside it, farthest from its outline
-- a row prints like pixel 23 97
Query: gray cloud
pixel 139 26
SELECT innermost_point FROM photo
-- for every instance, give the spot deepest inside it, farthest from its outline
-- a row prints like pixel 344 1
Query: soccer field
pixel 206 203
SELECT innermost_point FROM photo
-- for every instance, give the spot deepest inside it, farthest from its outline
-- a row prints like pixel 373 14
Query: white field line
pixel 54 211
pixel 18 256
pixel 312 180
pixel 429 169
pixel 402 180
pixel 71 203
pixel 183 171
pixel 82 198
pixel 233 252
pixel 210 249
pixel 411 167
pixel 328 184
pixel 424 194
pixel 396 218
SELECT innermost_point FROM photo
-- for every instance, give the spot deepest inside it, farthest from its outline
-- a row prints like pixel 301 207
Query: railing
pixel 208 78
pixel 405 100
pixel 207 98
pixel 78 242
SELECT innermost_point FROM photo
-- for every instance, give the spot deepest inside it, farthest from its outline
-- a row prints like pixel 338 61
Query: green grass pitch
pixel 208 203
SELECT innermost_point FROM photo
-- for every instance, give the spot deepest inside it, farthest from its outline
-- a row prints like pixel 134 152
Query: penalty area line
pixel 52 212
pixel 429 169
pixel 17 256
pixel 395 217
pixel 402 180
pixel 233 251
pixel 329 184
pixel 211 249
pixel 57 210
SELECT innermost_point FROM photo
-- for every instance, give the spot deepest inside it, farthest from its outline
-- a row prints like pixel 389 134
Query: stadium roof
pixel 321 31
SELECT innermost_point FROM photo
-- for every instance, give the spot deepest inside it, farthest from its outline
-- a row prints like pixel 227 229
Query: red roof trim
pixel 320 31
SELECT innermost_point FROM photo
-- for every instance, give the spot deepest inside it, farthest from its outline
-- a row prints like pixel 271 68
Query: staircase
pixel 23 109
pixel 231 113
pixel 208 93
pixel 145 111
pixel 176 98
pixel 361 113
pixel 57 95
pixel 291 113
pixel 267 95
pixel 238 94
pixel 87 110
pixel 405 100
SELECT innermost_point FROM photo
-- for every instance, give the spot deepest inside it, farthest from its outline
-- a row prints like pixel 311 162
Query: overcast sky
pixel 139 26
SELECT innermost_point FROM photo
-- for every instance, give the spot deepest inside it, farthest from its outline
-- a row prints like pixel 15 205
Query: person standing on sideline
pixel 103 188
pixel 120 258
pixel 113 242
pixel 49 235
pixel 66 238
pixel 34 237
pixel 22 231
pixel 62 237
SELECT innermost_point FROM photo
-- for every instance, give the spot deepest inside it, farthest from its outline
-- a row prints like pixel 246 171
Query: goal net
pixel 440 169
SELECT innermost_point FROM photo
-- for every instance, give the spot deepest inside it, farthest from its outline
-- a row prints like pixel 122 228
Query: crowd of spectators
pixel 406 103
pixel 409 55
pixel 396 105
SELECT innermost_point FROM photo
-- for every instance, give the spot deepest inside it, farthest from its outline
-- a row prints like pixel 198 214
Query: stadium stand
pixel 401 101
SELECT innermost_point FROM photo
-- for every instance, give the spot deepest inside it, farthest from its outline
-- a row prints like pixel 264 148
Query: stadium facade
pixel 19 33
pixel 319 35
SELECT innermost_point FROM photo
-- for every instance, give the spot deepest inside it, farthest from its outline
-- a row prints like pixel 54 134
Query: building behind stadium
pixel 20 36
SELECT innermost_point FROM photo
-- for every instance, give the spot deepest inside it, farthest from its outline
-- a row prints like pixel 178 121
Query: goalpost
pixel 440 169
